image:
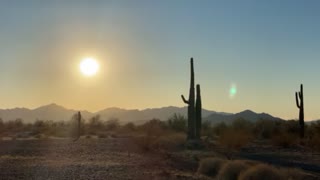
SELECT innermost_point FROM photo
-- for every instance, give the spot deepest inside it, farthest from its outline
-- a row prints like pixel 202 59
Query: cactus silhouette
pixel 191 103
pixel 299 95
pixel 198 113
pixel 194 113
pixel 79 126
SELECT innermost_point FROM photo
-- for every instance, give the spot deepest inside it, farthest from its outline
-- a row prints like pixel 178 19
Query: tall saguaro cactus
pixel 198 113
pixel 79 126
pixel 299 95
pixel 191 103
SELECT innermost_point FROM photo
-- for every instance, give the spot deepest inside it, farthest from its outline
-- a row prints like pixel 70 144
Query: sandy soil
pixel 86 159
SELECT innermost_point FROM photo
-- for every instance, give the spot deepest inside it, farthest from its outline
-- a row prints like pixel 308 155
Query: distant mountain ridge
pixel 246 114
pixel 57 113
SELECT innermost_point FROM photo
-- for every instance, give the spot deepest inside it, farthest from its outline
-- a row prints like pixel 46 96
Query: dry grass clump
pixel 262 172
pixel 210 166
pixel 232 169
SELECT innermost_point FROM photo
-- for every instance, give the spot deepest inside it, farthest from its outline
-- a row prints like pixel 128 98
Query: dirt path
pixel 84 159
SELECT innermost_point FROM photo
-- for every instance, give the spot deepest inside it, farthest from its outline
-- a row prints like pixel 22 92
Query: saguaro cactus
pixel 198 113
pixel 299 95
pixel 191 103
pixel 79 126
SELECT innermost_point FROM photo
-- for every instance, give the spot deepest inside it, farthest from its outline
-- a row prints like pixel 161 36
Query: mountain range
pixel 58 113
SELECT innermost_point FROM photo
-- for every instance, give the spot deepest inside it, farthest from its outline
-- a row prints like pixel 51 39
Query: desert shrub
pixel 170 142
pixel 219 128
pixel 261 172
pixel 210 166
pixel 112 124
pixel 284 140
pixel 313 142
pixel 207 129
pixel 234 140
pixel 151 132
pixel 313 129
pixel 264 128
pixel 292 127
pixel 14 126
pixel 177 122
pixel 242 124
pixel 153 127
pixel 95 124
pixel 130 126
pixel 232 169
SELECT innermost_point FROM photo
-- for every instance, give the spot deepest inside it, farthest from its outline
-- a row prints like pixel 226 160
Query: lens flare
pixel 232 91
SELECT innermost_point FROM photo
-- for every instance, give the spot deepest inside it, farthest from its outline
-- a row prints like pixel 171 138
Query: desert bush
pixel 284 139
pixel 151 132
pixel 261 172
pixel 177 122
pixel 264 128
pixel 95 124
pixel 219 128
pixel 232 169
pixel 234 140
pixel 313 142
pixel 130 126
pixel 210 166
pixel 170 142
pixel 14 126
pixel 112 124
pixel 242 124
pixel 313 129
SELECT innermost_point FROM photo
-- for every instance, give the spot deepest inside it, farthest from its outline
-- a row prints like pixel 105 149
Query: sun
pixel 89 66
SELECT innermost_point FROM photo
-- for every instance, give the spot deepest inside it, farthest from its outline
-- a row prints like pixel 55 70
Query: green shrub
pixel 210 166
pixel 262 172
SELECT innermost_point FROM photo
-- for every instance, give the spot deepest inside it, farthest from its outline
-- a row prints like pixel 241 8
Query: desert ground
pixel 121 158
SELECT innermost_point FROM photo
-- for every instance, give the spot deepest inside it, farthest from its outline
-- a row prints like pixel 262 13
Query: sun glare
pixel 89 66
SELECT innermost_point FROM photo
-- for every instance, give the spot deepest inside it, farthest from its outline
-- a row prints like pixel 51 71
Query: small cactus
pixel 299 95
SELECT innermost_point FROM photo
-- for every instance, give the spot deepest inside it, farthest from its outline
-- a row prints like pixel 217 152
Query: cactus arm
pixel 297 101
pixel 184 99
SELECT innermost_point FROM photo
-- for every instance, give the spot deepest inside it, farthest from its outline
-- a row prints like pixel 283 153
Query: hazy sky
pixel 264 48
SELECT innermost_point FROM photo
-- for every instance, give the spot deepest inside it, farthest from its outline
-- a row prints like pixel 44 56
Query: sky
pixel 259 51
